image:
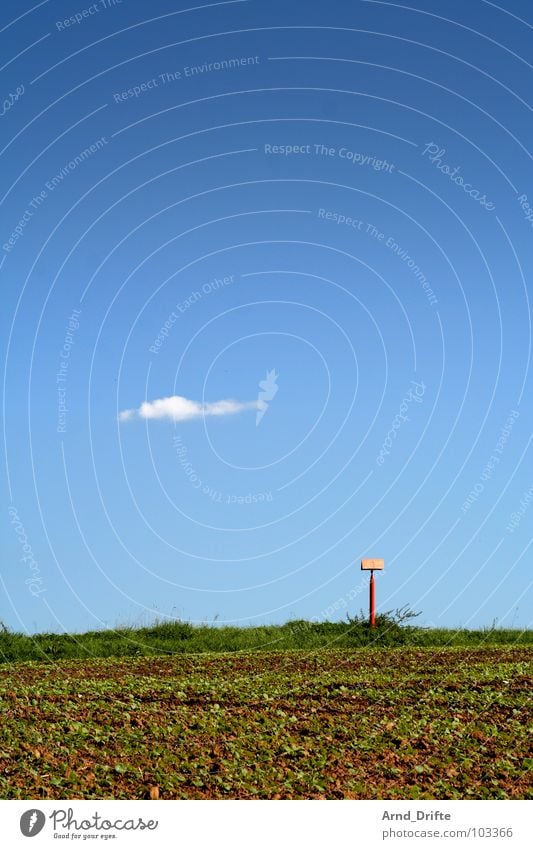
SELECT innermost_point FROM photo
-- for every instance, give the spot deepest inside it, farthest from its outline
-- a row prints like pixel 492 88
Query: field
pixel 363 723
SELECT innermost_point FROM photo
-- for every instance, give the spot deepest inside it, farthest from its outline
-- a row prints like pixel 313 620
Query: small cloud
pixel 180 409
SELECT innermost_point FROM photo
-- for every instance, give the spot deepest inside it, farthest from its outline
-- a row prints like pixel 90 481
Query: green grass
pixel 369 723
pixel 181 637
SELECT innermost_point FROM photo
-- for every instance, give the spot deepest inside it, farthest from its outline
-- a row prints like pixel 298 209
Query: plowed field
pixel 389 724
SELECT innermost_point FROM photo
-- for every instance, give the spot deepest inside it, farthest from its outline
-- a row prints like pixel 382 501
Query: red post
pixel 372 600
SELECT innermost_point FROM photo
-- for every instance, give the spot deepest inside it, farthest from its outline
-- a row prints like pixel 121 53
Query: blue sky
pixel 333 200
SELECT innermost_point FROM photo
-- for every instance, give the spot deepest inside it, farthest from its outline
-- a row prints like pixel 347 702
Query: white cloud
pixel 180 409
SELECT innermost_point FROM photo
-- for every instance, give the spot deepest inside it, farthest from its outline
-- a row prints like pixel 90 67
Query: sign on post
pixel 370 564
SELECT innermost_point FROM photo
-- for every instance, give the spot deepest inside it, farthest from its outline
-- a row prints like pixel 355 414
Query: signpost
pixel 370 565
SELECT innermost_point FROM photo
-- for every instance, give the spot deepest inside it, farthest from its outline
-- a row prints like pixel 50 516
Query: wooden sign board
pixel 372 564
